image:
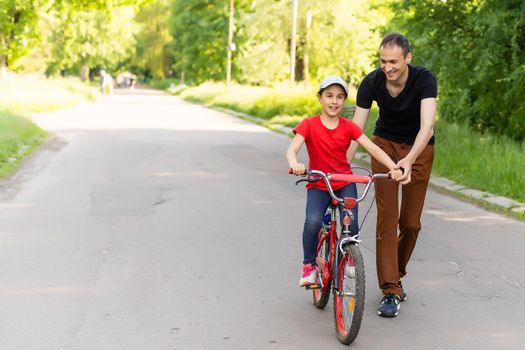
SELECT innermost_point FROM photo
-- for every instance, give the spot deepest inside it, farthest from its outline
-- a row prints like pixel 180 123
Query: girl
pixel 327 137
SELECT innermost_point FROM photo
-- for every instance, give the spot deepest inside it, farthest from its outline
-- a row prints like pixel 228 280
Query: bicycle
pixel 339 256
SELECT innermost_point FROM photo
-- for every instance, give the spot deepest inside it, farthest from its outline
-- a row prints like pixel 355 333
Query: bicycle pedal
pixel 312 286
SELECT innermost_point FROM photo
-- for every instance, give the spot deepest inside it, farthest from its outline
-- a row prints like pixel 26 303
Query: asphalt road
pixel 150 223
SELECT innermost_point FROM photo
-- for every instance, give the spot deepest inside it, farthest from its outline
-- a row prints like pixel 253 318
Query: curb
pixel 486 200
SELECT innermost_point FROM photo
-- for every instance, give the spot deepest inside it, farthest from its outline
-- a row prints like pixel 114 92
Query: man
pixel 406 96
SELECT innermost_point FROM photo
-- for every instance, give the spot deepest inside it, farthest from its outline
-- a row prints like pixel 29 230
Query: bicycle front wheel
pixel 349 301
pixel 321 295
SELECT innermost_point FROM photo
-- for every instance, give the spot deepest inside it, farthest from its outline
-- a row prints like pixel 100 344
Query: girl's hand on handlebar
pixel 297 169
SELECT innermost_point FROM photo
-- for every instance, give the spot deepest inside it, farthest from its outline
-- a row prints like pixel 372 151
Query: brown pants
pixel 393 252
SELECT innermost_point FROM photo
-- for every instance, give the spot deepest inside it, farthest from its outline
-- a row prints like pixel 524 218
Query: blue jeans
pixel 317 202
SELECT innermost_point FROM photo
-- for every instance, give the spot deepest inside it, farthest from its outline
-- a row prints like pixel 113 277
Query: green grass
pixel 22 94
pixel 31 93
pixel 487 163
pixel 164 84
pixel 484 162
pixel 284 103
pixel 18 138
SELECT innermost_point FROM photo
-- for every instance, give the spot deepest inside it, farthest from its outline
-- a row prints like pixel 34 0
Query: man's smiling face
pixel 393 63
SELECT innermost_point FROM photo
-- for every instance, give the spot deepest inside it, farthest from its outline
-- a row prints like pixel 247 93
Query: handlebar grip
pixel 290 171
pixel 382 176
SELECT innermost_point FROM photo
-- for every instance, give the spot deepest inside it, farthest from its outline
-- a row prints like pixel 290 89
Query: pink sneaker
pixel 309 275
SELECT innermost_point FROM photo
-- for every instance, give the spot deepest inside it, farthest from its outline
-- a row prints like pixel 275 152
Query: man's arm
pixel 426 130
pixel 360 118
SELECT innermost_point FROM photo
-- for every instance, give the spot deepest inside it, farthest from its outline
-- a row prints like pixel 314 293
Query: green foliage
pixel 40 54
pixel 476 49
pixel 262 43
pixel 152 57
pixel 60 36
pixel 93 38
pixel 497 88
pixel 200 31
pixel 18 20
pixel 84 5
pixel 342 39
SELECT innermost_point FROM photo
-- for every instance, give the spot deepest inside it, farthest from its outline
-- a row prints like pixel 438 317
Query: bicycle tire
pixel 322 295
pixel 350 301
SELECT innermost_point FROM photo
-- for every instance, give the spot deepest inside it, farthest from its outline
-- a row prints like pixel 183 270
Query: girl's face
pixel 332 100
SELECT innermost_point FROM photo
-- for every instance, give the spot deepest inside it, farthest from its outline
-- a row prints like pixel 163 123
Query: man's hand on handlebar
pixel 405 164
pixel 395 174
pixel 298 169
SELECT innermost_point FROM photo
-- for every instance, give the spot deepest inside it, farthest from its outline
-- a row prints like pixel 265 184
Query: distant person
pixel 133 81
pixel 124 80
pixel 327 137
pixel 106 83
pixel 406 96
pixel 102 73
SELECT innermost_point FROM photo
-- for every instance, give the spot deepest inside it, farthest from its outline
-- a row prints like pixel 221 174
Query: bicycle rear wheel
pixel 349 302
pixel 322 295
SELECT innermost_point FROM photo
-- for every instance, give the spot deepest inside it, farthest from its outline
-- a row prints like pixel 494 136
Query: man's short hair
pixel 396 39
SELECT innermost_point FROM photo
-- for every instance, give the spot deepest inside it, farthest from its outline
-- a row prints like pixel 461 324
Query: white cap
pixel 331 80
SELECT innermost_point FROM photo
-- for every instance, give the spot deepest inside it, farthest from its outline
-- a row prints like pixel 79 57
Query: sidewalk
pixel 487 200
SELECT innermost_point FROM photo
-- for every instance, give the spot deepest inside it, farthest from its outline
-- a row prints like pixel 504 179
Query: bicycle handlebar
pixel 316 175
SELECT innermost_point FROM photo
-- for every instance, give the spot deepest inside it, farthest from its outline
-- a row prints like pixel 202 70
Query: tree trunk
pixel 3 69
pixel 293 40
pixel 306 58
pixel 84 72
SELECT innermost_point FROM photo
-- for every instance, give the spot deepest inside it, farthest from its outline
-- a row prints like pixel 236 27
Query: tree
pixel 18 20
pixel 497 88
pixel 86 33
pixel 344 38
pixel 200 35
pixel 262 44
pixel 153 56
pixel 475 47
pixel 93 38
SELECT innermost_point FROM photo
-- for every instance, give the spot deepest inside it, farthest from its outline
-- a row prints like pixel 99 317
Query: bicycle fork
pixel 346 238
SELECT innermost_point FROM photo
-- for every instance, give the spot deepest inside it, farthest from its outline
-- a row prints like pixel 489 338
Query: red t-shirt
pixel 327 148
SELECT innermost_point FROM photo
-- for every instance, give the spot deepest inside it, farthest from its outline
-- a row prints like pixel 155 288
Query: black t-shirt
pixel 399 117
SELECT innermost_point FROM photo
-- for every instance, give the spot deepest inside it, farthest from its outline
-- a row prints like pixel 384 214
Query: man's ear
pixel 408 57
